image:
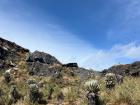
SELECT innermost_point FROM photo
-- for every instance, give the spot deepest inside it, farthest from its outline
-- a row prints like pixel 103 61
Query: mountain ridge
pixel 42 63
pixel 38 63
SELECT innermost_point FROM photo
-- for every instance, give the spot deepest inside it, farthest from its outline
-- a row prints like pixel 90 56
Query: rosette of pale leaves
pixel 92 86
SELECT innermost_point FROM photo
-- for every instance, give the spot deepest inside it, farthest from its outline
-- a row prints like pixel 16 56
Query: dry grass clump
pixel 127 93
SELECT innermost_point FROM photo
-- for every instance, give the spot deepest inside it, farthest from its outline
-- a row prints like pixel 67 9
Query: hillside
pixel 37 63
pixel 58 83
pixel 126 69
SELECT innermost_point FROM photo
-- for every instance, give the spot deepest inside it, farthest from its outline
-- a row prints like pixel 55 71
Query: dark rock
pixel 126 69
pixel 80 72
pixel 42 58
pixel 42 102
pixel 70 65
pixel 38 63
pixel 37 68
pixel 10 53
pixel 41 69
pixel 135 72
pixel 1 63
pixel 29 57
pixel 136 64
pixel 3 53
pixel 11 46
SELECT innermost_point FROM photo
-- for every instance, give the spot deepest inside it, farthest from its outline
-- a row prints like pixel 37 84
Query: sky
pixel 94 33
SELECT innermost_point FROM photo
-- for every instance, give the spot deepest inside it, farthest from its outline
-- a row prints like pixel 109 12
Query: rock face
pixel 10 53
pixel 11 46
pixel 42 58
pixel 43 64
pixel 85 73
pixel 70 65
pixel 127 69
pixel 37 63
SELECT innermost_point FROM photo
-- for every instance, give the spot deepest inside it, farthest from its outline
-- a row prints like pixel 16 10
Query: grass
pixel 128 93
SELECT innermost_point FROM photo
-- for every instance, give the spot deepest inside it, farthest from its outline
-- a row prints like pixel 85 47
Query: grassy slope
pixel 127 93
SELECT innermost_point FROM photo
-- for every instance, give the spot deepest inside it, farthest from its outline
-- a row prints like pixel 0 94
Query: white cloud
pixel 66 46
pixel 102 59
pixel 63 44
pixel 52 39
pixel 128 50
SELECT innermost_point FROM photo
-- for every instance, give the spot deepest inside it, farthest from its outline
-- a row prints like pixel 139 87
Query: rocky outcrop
pixel 11 46
pixel 10 50
pixel 10 53
pixel 40 63
pixel 37 68
pixel 126 69
pixel 42 58
pixel 70 65
pixel 37 63
pixel 85 73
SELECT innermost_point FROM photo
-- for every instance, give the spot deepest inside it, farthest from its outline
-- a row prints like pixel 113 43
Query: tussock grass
pixel 127 93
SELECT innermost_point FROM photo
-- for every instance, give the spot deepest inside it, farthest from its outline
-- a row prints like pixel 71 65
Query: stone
pixel 70 65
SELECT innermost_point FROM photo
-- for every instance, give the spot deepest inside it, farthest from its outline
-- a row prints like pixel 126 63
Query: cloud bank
pixel 53 38
pixel 118 54
pixel 67 47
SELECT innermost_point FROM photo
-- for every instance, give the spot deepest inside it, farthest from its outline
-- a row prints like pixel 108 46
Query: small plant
pixel 110 80
pixel 14 94
pixel 34 94
pixel 7 77
pixel 50 91
pixel 93 89
pixel 31 81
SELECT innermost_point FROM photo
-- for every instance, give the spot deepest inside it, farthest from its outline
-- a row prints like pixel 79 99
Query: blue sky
pixel 95 33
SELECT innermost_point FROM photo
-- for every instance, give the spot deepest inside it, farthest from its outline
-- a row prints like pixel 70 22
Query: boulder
pixel 70 65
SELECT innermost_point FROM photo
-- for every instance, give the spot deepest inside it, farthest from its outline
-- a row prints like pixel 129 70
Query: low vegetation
pixel 127 93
